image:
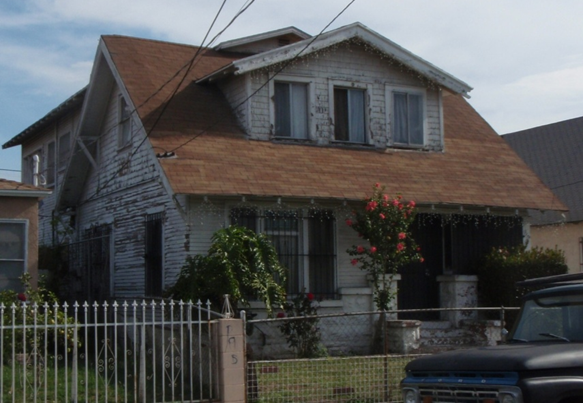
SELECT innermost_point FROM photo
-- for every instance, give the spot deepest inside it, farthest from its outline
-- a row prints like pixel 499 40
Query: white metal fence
pixel 130 351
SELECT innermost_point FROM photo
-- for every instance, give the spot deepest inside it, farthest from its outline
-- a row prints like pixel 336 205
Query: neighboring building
pixel 283 133
pixel 554 152
pixel 18 233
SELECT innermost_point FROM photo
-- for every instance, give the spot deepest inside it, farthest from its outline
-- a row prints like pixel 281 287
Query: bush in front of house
pixel 239 263
pixel 500 269
pixel 39 311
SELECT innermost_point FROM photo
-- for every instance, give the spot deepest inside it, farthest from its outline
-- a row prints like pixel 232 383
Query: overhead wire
pixel 166 104
pixel 269 79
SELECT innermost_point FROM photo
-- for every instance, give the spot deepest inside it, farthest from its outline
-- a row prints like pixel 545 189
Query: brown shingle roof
pixel 8 186
pixel 476 168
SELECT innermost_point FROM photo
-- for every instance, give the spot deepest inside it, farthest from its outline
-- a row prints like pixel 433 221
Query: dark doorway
pixel 154 278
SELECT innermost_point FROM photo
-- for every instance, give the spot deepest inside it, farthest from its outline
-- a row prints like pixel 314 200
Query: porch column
pixel 458 291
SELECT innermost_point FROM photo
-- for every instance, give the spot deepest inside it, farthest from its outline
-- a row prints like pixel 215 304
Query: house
pixel 553 152
pixel 18 233
pixel 282 132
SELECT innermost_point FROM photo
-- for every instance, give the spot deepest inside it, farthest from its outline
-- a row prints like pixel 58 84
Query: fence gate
pixel 138 351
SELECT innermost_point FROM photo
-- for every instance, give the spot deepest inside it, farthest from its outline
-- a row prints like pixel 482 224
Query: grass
pixel 348 379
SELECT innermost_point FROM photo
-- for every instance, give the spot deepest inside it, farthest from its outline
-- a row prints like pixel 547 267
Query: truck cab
pixel 540 362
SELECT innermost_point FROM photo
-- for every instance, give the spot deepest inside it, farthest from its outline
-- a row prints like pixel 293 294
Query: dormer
pixel 263 42
pixel 350 87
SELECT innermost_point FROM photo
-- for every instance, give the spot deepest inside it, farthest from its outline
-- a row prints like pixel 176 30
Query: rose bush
pixel 384 222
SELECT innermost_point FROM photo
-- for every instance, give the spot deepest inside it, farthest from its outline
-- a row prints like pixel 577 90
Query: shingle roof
pixel 555 153
pixel 476 168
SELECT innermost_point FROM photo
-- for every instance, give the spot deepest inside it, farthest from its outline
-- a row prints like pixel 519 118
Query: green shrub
pixel 24 308
pixel 303 335
pixel 499 271
pixel 240 263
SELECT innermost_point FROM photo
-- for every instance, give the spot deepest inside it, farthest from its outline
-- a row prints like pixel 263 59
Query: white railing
pixel 147 351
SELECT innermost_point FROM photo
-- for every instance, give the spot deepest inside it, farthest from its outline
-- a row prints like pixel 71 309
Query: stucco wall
pixel 25 208
pixel 562 236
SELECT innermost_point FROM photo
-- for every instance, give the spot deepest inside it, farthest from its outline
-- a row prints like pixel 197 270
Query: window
pixel 28 168
pixel 408 118
pixel 64 150
pixel 13 249
pixel 349 115
pixel 291 110
pixel 50 169
pixel 305 244
pixel 124 124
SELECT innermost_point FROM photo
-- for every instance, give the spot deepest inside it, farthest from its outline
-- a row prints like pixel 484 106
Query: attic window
pixel 283 42
pixel 408 116
pixel 291 110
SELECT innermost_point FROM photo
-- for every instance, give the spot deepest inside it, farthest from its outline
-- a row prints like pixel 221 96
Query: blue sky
pixel 524 58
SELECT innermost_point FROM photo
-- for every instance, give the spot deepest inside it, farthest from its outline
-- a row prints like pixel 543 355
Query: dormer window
pixel 291 109
pixel 349 115
pixel 408 116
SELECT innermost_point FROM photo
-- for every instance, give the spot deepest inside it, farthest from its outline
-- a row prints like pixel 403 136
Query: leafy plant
pixel 239 263
pixel 40 305
pixel 500 269
pixel 384 222
pixel 303 335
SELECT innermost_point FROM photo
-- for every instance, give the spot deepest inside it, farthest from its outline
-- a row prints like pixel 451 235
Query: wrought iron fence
pixel 159 351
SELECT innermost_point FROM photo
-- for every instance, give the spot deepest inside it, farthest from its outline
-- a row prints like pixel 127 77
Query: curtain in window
pixel 282 109
pixel 356 118
pixel 400 121
pixel 12 254
pixel 299 111
pixel 415 119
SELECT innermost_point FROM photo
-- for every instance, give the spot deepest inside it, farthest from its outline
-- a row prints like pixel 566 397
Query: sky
pixel 524 58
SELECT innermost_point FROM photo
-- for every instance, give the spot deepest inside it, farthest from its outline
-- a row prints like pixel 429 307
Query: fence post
pixel 231 361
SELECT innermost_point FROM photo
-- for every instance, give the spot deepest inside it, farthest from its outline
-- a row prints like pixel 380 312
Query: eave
pixel 326 40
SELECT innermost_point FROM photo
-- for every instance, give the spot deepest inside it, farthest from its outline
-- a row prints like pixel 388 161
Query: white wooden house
pixel 282 132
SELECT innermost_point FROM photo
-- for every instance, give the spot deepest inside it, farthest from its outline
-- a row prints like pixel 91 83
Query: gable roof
pixel 554 152
pixel 71 103
pixel 325 40
pixel 289 34
pixel 478 169
pixel 214 157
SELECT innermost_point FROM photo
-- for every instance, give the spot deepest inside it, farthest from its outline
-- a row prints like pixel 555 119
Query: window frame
pixel 350 85
pixel 287 79
pixel 124 123
pixel 390 90
pixel 260 215
pixel 24 260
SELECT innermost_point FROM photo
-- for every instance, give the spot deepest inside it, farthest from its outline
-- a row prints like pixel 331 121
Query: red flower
pixel 402 235
pixel 349 222
pixel 411 204
pixel 395 202
pixel 400 246
pixel 354 262
pixel 22 297
pixel 386 197
pixel 310 296
pixel 377 185
pixel 421 260
pixel 382 216
pixel 373 249
pixel 281 315
pixel 370 206
pixel 360 249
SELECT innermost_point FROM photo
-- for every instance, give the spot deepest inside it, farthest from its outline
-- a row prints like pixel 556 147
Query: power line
pixel 189 67
pixel 10 170
pixel 269 79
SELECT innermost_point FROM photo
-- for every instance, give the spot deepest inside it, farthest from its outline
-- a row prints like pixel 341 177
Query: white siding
pixel 123 196
pixel 348 62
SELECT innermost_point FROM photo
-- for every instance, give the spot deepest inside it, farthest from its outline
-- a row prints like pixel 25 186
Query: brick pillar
pixel 232 363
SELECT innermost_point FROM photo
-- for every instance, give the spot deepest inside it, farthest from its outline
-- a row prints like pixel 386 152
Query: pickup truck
pixel 541 360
